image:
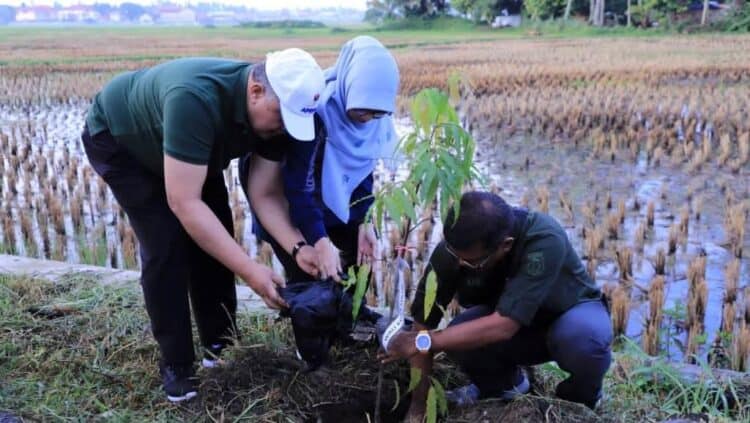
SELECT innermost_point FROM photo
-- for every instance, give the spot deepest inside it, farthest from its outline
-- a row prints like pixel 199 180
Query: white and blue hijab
pixel 365 76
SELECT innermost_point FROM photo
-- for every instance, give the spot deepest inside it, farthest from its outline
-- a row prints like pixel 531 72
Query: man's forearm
pixel 273 212
pixel 207 231
pixel 475 333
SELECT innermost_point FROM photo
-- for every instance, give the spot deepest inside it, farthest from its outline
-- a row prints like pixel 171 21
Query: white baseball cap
pixel 298 81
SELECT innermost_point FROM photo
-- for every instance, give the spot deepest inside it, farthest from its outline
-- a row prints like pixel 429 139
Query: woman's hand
pixel 329 262
pixel 307 259
pixel 366 242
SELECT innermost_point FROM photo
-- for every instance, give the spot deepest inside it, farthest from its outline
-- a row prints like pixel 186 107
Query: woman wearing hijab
pixel 328 183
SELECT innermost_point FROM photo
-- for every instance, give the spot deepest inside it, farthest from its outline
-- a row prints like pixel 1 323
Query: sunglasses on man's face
pixel 475 264
pixel 365 113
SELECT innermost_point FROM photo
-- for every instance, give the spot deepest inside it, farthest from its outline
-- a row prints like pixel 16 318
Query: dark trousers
pixel 174 270
pixel 579 341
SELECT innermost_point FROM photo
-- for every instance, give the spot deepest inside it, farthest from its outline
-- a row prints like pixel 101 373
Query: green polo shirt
pixel 192 109
pixel 540 278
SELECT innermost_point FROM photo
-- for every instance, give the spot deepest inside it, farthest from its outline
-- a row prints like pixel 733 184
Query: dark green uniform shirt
pixel 540 278
pixel 193 109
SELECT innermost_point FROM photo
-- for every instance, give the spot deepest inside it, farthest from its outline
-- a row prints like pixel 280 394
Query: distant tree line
pixel 644 13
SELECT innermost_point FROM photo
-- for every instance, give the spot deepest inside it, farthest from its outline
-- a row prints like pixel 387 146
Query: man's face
pixel 478 258
pixel 263 112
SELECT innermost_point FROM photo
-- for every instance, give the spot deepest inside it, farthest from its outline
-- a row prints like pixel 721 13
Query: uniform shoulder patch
pixel 535 263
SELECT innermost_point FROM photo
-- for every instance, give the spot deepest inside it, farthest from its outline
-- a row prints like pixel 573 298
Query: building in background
pixel 175 15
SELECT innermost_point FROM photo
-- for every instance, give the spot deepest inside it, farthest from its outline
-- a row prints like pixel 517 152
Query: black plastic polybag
pixel 320 311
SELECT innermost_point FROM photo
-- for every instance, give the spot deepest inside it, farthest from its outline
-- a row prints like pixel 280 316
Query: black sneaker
pixel 179 382
pixel 568 392
pixel 470 394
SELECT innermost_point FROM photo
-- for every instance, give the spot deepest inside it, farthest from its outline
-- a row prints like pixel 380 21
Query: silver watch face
pixel 423 342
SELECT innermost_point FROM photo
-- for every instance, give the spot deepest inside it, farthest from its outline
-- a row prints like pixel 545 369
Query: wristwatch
pixel 423 341
pixel 296 249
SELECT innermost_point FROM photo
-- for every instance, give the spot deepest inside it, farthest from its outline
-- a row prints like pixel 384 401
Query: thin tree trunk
pixel 705 13
pixel 596 13
pixel 599 13
pixel 628 13
pixel 568 6
pixel 592 11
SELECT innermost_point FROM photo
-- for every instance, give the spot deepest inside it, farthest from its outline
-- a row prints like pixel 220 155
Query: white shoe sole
pixel 187 396
pixel 522 388
pixel 209 364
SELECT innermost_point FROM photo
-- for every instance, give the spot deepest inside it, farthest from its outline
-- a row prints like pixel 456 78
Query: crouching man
pixel 527 300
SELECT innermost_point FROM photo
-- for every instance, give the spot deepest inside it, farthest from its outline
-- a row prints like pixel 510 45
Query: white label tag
pixel 393 328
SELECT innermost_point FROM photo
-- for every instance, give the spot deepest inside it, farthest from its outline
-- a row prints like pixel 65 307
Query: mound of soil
pixel 269 384
pixel 526 409
pixel 272 385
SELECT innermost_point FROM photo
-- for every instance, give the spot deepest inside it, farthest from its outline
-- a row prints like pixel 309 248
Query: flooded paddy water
pixel 537 174
pixel 643 158
pixel 56 207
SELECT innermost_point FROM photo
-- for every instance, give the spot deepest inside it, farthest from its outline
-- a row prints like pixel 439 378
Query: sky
pixel 257 4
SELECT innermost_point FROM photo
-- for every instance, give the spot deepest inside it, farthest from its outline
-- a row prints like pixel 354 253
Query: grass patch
pixel 76 350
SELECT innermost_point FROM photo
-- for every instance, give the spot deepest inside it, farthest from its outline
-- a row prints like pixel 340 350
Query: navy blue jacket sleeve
pixel 299 188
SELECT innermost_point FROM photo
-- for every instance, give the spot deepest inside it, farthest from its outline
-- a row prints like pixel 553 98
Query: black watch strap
pixel 296 249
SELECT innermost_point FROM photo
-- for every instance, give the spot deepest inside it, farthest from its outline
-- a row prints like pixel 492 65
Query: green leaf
pixel 359 291
pixel 430 293
pixel 430 191
pixel 442 401
pixel 351 280
pixel 363 272
pixel 404 203
pixel 431 406
pixel 415 375
pixel 378 210
pixel 410 193
pixel 398 396
pixel 392 206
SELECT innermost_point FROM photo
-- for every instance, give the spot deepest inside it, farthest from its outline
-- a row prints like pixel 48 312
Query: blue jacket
pixel 302 177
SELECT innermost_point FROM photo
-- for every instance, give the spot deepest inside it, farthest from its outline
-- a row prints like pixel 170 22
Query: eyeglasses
pixel 477 264
pixel 372 114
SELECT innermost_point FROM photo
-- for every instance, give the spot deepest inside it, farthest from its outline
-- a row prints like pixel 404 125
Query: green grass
pixel 95 360
pixel 418 30
pixel 434 32
pixel 79 351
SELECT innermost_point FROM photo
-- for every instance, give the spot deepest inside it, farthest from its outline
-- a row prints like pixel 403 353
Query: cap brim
pixel 300 127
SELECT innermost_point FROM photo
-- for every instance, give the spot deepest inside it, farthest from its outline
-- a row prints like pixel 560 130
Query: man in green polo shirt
pixel 160 138
pixel 527 300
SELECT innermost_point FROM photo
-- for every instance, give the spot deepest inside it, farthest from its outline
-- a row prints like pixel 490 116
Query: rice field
pixel 639 146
